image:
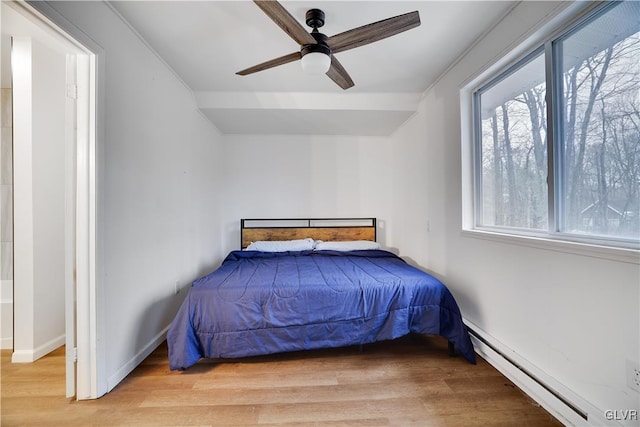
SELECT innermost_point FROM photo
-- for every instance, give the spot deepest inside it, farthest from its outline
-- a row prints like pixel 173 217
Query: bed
pixel 309 284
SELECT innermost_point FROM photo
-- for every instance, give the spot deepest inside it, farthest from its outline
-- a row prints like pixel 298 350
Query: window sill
pixel 627 255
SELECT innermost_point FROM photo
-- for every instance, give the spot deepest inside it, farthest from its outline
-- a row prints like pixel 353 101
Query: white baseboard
pixel 565 405
pixel 128 367
pixel 28 356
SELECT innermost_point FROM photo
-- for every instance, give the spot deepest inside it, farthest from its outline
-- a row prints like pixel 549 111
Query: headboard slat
pixel 326 231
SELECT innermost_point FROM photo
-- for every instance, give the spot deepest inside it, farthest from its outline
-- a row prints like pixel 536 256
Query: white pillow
pixel 353 245
pixel 281 245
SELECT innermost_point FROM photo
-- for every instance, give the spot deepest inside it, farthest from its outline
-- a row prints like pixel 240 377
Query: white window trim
pixel 631 256
pixel 577 245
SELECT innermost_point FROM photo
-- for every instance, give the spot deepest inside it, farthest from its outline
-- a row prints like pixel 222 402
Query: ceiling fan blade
pixel 339 75
pixel 373 32
pixel 270 64
pixel 284 20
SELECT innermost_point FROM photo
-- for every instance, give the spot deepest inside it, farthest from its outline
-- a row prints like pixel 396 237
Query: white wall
pixel 572 318
pixel 39 232
pixel 49 77
pixel 160 193
pixel 6 199
pixel 287 176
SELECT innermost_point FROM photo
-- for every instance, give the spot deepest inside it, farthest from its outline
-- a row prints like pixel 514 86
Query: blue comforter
pixel 261 303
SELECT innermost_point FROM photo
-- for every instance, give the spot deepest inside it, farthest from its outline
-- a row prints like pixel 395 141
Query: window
pixel 557 135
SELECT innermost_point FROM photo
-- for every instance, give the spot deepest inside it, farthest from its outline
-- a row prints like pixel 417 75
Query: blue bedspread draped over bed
pixel 260 303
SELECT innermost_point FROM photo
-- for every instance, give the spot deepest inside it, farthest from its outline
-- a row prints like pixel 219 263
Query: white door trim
pixel 71 141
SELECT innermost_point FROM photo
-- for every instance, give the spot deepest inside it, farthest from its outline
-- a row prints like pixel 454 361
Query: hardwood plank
pixel 317 233
pixel 368 422
pixel 391 409
pixel 265 380
pixel 291 395
pixel 223 415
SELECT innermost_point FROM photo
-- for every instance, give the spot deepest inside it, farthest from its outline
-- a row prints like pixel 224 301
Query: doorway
pixel 53 133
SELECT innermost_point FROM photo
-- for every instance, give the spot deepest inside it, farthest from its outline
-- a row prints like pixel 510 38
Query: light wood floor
pixel 407 382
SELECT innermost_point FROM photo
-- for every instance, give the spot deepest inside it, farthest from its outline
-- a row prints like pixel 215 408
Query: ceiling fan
pixel 317 50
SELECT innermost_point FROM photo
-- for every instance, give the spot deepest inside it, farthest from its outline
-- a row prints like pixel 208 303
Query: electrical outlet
pixel 633 375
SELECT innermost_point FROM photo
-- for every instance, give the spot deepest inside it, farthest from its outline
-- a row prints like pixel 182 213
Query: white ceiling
pixel 206 42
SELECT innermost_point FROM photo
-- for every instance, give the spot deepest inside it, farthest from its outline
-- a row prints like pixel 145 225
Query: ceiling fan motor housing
pixel 315 18
pixel 320 46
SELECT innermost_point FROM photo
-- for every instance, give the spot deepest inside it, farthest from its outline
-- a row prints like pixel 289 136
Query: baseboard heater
pixel 542 384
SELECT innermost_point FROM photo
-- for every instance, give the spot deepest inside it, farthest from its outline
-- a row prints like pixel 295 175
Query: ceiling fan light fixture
pixel 316 59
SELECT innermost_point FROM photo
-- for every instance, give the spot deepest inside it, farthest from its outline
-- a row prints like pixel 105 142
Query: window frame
pixel 477 138
pixel 543 41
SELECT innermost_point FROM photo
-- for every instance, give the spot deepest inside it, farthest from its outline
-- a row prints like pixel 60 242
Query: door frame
pixel 82 310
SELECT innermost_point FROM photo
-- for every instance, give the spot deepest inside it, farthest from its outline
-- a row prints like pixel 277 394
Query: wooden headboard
pixel 327 229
